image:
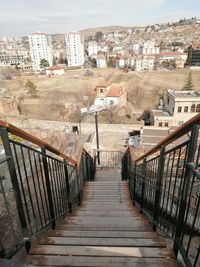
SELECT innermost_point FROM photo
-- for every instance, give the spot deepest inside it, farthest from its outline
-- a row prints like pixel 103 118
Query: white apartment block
pixel 137 49
pixel 92 48
pixel 179 107
pixel 74 49
pixel 40 48
pixel 150 48
pixel 9 60
pixel 143 63
pixel 101 61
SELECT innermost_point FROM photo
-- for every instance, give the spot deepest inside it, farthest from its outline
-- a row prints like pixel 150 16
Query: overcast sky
pixel 20 17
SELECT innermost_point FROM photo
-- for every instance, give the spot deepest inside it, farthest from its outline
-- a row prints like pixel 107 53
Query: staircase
pixel 105 231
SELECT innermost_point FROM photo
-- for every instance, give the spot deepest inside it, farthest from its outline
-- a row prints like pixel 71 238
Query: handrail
pixel 182 130
pixel 28 137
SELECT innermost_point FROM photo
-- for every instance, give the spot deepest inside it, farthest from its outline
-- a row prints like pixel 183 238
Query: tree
pixel 31 87
pixel 98 36
pixel 111 62
pixel 44 63
pixel 54 61
pixel 93 62
pixel 188 84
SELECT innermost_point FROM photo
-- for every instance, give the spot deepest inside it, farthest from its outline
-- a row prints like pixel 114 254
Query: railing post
pixel 134 182
pixel 88 168
pixel 143 184
pixel 78 186
pixel 48 186
pixel 186 188
pixel 161 165
pixel 13 176
pixel 67 186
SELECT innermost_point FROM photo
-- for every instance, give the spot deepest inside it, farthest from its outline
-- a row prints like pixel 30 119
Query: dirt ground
pixel 60 98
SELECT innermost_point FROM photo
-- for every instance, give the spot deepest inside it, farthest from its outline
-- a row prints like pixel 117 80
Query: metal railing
pixel 38 185
pixel 109 158
pixel 165 184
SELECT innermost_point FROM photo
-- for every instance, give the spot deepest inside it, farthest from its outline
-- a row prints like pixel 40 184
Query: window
pixel 101 91
pixel 111 102
pixel 198 108
pixel 166 124
pixel 179 109
pixel 186 109
pixel 160 124
pixel 193 108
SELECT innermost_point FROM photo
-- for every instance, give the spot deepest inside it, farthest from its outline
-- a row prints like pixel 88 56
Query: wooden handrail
pixel 182 130
pixel 28 137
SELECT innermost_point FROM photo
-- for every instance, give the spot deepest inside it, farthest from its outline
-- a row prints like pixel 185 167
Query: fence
pixel 165 183
pixel 38 185
pixel 109 158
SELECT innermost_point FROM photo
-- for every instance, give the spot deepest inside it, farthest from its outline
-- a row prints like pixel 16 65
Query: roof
pixel 115 91
pixel 55 68
pixel 176 53
pixel 101 56
pixel 159 113
pixel 184 94
pixel 38 33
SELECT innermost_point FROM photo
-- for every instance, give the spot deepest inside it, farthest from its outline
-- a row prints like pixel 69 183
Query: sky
pixel 21 17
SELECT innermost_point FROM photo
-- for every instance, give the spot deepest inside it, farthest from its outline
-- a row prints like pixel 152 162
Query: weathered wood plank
pixel 100 251
pixel 106 221
pixel 113 242
pixel 101 228
pixel 100 261
pixel 97 234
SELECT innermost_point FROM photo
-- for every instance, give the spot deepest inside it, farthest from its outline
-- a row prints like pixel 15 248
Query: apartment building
pixel 74 49
pixel 9 60
pixel 40 48
pixel 149 47
pixel 193 59
pixel 101 61
pixel 92 48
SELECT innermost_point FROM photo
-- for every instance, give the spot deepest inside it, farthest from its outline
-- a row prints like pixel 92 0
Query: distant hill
pixel 58 36
pixel 92 31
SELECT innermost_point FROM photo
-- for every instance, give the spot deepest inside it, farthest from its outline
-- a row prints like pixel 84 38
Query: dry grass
pixel 60 98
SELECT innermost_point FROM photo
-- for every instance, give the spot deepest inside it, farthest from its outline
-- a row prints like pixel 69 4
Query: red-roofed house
pixel 110 95
pixel 55 71
pixel 179 58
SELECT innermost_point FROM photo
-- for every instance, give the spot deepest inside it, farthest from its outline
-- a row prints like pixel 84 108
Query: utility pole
pixel 97 136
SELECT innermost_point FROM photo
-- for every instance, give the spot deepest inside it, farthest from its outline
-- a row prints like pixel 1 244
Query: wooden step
pixel 106 242
pixel 103 234
pixel 88 261
pixel 139 252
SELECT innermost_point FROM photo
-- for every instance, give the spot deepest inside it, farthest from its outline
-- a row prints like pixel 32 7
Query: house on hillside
pixel 55 71
pixel 101 61
pixel 110 95
pixel 179 106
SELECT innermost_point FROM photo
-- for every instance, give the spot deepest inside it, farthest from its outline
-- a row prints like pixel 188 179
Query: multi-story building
pixel 9 60
pixel 193 59
pixel 92 48
pixel 150 48
pixel 40 48
pixel 179 106
pixel 101 61
pixel 74 49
